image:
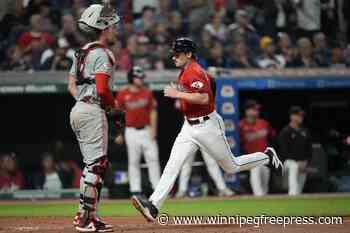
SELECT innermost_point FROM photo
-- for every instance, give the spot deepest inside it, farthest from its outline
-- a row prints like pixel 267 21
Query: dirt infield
pixel 138 225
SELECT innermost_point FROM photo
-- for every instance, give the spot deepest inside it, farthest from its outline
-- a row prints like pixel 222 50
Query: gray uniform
pixel 89 123
pixel 88 120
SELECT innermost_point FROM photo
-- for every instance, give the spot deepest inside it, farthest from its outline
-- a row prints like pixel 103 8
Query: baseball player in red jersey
pixel 203 129
pixel 254 135
pixel 141 128
pixel 90 82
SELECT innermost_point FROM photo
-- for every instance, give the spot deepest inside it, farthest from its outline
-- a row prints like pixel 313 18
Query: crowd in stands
pixel 52 174
pixel 43 34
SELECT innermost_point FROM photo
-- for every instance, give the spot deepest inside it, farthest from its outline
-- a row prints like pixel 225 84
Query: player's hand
pixel 171 91
pixel 119 140
pixel 153 133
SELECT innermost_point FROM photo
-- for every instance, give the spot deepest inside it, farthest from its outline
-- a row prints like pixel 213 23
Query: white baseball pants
pixel 208 136
pixel 296 178
pixel 138 142
pixel 212 167
pixel 259 180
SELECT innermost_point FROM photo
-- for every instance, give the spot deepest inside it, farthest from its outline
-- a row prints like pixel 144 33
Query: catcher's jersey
pixel 96 61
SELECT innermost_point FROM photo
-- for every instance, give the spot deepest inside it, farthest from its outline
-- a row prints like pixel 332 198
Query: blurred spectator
pixel 309 17
pixel 35 40
pixel 338 58
pixel 48 178
pixel 47 24
pixel 162 60
pixel 296 150
pixel 147 20
pixel 67 169
pixel 124 61
pixel 286 19
pixel 242 29
pixel 239 57
pixel 142 55
pixel 329 16
pixel 322 53
pixel 254 135
pixel 216 57
pixel 269 59
pixel 140 5
pixel 70 31
pixel 176 27
pixel 159 34
pixel 198 14
pixel 11 179
pixel 345 11
pixel 60 59
pixel 16 60
pixel 284 47
pixel 69 173
pixel 206 42
pixel 216 28
pixel 304 58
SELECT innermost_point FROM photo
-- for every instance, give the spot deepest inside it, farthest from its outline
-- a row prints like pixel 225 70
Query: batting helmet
pixel 98 17
pixel 136 72
pixel 183 45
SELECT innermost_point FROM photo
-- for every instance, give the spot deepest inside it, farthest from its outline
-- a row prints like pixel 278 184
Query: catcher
pixel 89 83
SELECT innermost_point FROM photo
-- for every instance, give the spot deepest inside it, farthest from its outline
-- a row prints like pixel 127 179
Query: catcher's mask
pixel 98 17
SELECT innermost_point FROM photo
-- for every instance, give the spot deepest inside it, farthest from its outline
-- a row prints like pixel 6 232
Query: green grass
pixel 315 206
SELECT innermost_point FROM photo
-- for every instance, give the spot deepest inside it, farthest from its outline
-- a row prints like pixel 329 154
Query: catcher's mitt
pixel 117 116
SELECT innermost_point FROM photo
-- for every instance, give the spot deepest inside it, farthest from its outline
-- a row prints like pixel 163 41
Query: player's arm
pixel 72 86
pixel 103 91
pixel 154 122
pixel 103 72
pixel 190 97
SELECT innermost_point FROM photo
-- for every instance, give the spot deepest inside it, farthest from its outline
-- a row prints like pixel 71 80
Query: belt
pixel 198 120
pixel 138 128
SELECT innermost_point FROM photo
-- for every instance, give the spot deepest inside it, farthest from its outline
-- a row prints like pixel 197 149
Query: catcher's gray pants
pixel 89 124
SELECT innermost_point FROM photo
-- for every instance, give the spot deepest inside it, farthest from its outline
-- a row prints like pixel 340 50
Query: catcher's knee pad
pixel 91 191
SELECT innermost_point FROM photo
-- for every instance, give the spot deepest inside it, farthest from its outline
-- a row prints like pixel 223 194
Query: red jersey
pixel 254 137
pixel 27 38
pixel 137 106
pixel 194 79
pixel 6 182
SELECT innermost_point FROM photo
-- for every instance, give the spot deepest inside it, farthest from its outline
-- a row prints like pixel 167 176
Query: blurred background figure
pixel 11 178
pixel 321 53
pixel 35 41
pixel 255 136
pixel 305 58
pixel 141 116
pixel 61 58
pixel 243 29
pixel 269 59
pixel 295 148
pixel 213 170
pixel 239 56
pixel 48 178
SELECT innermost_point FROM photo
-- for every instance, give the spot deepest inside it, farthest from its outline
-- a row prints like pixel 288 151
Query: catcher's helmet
pixel 98 17
pixel 136 72
pixel 183 45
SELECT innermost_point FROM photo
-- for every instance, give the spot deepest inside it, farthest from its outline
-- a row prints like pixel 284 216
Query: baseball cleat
pixel 226 192
pixel 94 226
pixel 145 207
pixel 76 221
pixel 275 162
